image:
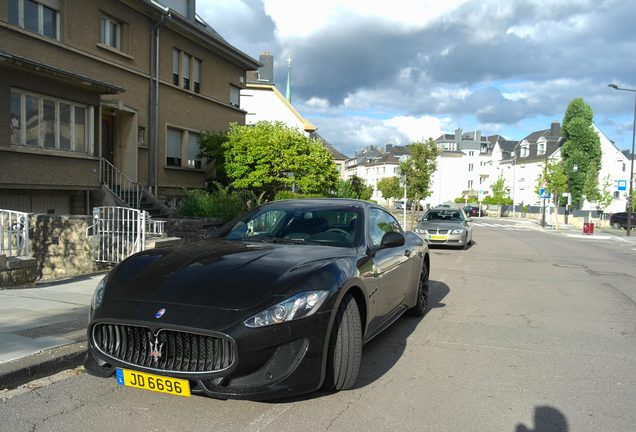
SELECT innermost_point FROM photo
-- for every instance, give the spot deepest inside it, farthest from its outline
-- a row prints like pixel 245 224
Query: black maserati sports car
pixel 276 303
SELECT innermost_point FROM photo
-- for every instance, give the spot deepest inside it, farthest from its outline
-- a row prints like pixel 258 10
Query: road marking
pixel 589 237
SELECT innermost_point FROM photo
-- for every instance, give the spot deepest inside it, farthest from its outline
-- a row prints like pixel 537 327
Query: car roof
pixel 318 202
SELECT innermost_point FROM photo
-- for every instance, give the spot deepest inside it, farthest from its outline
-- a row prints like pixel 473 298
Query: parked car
pixel 399 205
pixel 473 211
pixel 619 220
pixel 445 227
pixel 276 303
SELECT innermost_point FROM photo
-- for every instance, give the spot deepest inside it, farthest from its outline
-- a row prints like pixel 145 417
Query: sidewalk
pixel 43 329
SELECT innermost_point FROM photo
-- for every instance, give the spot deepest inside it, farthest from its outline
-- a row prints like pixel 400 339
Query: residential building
pixel 109 88
pixel 467 155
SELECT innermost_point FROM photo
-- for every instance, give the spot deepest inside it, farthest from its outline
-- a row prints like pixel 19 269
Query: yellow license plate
pixel 146 381
pixel 439 237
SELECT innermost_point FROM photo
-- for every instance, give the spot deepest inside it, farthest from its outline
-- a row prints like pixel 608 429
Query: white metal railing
pixel 155 227
pixel 14 233
pixel 117 232
pixel 127 190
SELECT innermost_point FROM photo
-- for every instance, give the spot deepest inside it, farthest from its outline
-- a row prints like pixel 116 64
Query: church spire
pixel 288 92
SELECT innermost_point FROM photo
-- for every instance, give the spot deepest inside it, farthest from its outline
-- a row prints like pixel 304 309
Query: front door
pixel 108 137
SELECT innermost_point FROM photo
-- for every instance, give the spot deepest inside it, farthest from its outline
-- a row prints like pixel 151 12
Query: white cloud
pixel 302 18
pixel 318 103
pixel 419 128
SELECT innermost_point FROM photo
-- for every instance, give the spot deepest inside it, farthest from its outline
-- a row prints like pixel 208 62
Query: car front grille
pixel 166 350
pixel 435 231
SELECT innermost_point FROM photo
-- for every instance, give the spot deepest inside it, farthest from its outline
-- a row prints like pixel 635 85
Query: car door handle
pixel 407 252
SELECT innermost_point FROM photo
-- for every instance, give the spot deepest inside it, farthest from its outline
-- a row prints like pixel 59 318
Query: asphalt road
pixel 528 331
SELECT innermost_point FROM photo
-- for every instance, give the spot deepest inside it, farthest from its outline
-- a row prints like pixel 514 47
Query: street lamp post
pixel 630 198
pixel 514 178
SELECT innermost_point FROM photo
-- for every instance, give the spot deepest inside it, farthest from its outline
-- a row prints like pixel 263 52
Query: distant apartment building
pixel 100 88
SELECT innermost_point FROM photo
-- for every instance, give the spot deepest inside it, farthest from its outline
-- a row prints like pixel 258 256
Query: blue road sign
pixel 544 194
pixel 622 185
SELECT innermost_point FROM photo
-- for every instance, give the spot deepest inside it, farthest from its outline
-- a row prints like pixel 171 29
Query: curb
pixel 40 365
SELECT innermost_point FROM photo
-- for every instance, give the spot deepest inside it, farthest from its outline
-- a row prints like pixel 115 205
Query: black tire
pixel 421 305
pixel 616 225
pixel 345 347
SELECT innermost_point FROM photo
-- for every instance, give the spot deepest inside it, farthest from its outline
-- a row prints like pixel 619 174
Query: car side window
pixel 380 223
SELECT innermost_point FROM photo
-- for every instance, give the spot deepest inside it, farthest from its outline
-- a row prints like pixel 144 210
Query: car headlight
pixel 420 231
pixel 457 231
pixel 299 306
pixel 98 295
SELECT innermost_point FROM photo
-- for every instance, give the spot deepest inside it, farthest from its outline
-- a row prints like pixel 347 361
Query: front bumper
pixel 445 239
pixel 272 362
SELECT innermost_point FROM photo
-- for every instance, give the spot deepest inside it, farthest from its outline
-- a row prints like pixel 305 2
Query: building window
pixel 173 151
pixel 525 150
pixel 110 32
pixel 42 121
pixel 471 153
pixel 186 71
pixel 141 136
pixel 470 167
pixel 470 184
pixel 235 96
pixel 183 145
pixel 36 17
pixel 194 151
pixel 541 148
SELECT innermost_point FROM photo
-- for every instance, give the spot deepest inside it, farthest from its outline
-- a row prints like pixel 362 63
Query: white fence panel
pixel 14 233
pixel 118 232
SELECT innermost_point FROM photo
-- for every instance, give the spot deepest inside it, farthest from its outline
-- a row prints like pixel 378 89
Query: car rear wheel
pixel 422 294
pixel 616 225
pixel 345 347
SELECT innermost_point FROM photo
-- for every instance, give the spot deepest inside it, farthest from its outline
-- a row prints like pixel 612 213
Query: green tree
pixel 419 169
pixel 500 194
pixel 269 157
pixel 581 152
pixel 354 187
pixel 389 187
pixel 556 183
pixel 606 196
pixel 211 145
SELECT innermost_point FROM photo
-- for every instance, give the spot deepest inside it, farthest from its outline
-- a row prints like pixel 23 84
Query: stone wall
pixel 191 229
pixel 60 246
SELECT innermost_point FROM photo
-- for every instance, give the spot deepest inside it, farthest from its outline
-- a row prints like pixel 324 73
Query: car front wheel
pixel 616 225
pixel 345 347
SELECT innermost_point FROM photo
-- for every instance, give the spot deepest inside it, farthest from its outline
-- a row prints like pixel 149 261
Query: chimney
pixel 555 129
pixel 191 10
pixel 388 148
pixel 478 136
pixel 266 72
pixel 458 135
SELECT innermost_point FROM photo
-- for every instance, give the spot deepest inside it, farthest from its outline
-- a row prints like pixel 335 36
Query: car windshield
pixel 444 215
pixel 341 227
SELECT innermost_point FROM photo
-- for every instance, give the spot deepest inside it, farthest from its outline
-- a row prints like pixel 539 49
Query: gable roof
pixel 334 153
pixel 307 125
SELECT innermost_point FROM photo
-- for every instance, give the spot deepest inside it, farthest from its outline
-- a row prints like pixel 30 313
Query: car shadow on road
pixel 546 419
pixel 384 351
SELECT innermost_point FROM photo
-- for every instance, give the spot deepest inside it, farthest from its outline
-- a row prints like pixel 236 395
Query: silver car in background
pixel 445 227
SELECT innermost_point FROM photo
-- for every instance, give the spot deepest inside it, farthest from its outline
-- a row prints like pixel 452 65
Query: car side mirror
pixel 392 239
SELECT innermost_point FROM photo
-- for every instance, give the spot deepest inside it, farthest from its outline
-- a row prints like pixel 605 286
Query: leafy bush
pixel 283 195
pixel 223 203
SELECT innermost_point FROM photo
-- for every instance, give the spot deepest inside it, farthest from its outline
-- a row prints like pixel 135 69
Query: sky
pixel 376 72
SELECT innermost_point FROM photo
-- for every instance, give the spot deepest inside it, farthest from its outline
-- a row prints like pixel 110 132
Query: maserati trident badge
pixel 155 350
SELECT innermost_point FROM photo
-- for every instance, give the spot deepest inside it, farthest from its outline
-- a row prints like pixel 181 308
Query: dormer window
pixel 541 147
pixel 525 150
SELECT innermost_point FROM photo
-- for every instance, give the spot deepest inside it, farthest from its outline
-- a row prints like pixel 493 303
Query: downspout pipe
pixel 153 100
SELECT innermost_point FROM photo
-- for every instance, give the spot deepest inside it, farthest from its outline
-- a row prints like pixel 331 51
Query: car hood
pixel 220 274
pixel 442 225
